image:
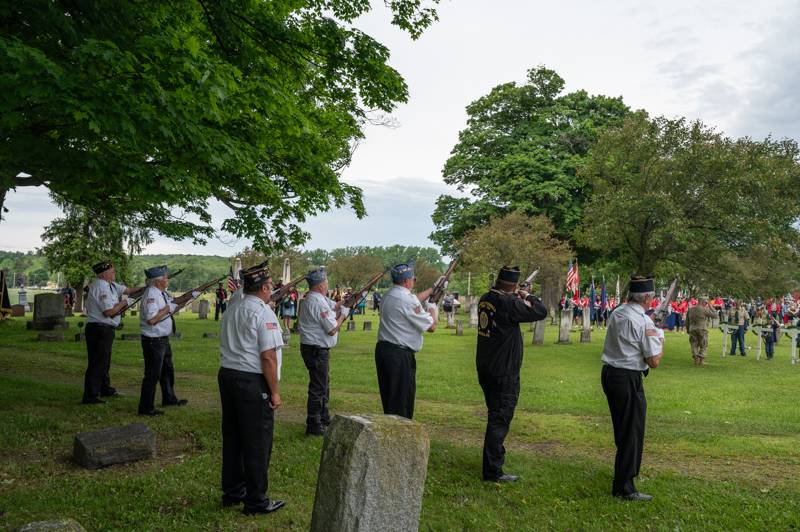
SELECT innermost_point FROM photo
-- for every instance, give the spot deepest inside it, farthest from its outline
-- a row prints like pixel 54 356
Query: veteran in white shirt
pixel 319 321
pixel 250 343
pixel 633 346
pixel 404 319
pixel 105 302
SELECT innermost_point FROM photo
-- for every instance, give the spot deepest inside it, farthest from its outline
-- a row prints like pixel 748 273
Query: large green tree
pixel 520 151
pixel 677 197
pixel 148 110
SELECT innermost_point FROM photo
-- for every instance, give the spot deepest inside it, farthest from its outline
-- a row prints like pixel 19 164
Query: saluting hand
pixel 275 401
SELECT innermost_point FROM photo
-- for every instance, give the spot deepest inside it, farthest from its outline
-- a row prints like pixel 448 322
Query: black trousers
pixel 624 389
pixel 158 369
pixel 247 425
pixel 501 395
pixel 317 361
pixel 96 381
pixel 397 378
pixel 219 308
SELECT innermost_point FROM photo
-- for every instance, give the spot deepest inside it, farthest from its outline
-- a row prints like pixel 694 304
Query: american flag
pixel 232 284
pixel 573 277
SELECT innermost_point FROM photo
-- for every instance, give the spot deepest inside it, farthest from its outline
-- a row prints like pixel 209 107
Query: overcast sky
pixel 735 64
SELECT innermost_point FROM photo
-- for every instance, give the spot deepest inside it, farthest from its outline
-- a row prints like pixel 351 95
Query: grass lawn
pixel 722 449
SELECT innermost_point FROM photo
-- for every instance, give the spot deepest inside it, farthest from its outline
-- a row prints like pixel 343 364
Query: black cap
pixel 100 267
pixel 641 284
pixel 509 274
pixel 255 276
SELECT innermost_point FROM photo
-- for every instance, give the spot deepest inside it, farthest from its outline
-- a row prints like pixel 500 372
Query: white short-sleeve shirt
pixel 317 317
pixel 248 328
pixel 631 338
pixel 153 300
pixel 102 296
pixel 403 318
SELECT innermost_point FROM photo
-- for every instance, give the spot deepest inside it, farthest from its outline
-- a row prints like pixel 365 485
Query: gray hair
pixel 152 282
pixel 640 297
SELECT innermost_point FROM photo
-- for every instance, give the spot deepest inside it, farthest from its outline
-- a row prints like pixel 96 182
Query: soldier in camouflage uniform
pixel 696 325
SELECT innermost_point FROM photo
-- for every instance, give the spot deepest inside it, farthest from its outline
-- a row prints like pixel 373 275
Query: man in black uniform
pixel 499 358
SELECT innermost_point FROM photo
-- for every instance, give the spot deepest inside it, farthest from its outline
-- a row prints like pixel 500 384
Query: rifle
pixel 660 314
pixel 529 280
pixel 284 290
pixel 202 288
pixel 133 303
pixel 352 300
pixel 441 283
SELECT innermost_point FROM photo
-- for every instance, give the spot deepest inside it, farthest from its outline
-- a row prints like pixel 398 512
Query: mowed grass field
pixel 722 449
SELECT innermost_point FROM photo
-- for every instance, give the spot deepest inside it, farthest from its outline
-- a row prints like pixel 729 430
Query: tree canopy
pixel 677 197
pixel 520 151
pixel 146 111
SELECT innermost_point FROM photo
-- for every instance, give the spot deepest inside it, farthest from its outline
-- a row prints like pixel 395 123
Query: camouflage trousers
pixel 698 340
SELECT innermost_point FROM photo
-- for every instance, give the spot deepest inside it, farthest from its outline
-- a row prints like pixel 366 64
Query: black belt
pixel 626 370
pixel 396 346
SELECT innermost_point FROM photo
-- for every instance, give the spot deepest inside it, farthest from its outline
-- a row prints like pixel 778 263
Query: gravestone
pixel 792 332
pixel 50 337
pixel 131 336
pixel 459 328
pixel 287 337
pixel 176 335
pixel 586 332
pixel 195 306
pixel 371 474
pixel 565 325
pixel 451 316
pixel 48 312
pixel 134 313
pixel 17 311
pixel 56 525
pixel 210 335
pixel 553 316
pixel 532 325
pixel 114 445
pixel 367 325
pixel 538 332
pixel 351 325
pixel 202 310
pixel 473 314
pixel 22 296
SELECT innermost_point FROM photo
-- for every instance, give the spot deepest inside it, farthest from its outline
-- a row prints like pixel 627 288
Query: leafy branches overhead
pixel 520 151
pixel 152 109
pixel 672 196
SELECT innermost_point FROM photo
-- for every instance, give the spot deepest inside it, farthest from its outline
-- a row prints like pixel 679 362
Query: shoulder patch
pixel 271 326
pixel 150 300
pixel 418 309
pixel 103 296
pixel 324 314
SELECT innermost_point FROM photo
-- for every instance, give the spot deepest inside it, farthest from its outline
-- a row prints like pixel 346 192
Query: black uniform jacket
pixel 499 338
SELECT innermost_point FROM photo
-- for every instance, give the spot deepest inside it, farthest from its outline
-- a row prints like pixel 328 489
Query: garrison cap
pixel 641 284
pixel 257 267
pixel 509 274
pixel 156 271
pixel 100 267
pixel 255 276
pixel 315 277
pixel 403 271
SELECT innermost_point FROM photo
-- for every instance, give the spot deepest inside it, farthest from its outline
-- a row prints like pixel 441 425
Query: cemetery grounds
pixel 721 451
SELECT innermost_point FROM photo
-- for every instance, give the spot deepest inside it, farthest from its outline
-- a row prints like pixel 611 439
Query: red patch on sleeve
pixel 324 314
pixel 150 300
pixel 272 326
pixel 418 309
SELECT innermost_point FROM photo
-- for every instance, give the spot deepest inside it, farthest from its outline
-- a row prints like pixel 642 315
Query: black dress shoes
pixel 636 496
pixel 268 509
pixel 320 431
pixel 152 413
pixel 505 477
pixel 93 401
pixel 179 402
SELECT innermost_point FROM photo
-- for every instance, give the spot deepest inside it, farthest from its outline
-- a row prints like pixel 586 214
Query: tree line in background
pixel 548 175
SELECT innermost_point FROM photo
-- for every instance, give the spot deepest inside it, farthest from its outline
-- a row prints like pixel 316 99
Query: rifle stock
pixel 351 300
pixel 183 302
pixel 438 287
pixel 660 314
pixel 284 290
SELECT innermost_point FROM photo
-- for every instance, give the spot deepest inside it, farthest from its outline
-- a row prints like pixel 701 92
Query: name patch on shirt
pixel 103 296
pixel 272 326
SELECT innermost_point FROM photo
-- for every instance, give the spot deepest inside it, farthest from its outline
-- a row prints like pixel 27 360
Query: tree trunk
pixel 3 192
pixel 78 304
